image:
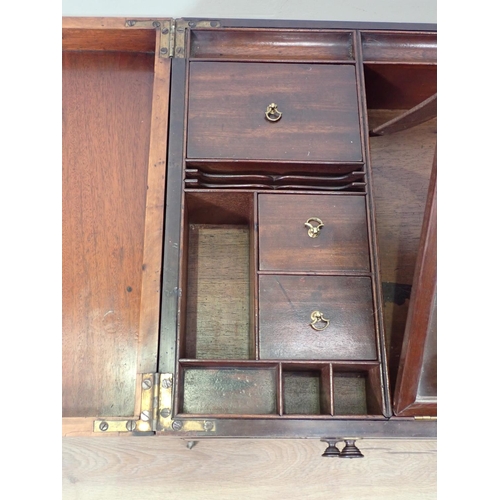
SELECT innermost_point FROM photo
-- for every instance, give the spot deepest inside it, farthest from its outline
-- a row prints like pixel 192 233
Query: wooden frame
pixel 112 35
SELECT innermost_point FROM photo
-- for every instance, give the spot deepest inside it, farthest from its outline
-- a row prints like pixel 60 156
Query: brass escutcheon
pixel 318 316
pixel 314 231
pixel 272 113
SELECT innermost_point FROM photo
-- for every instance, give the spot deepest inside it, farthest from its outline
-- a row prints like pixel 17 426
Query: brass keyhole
pixel 317 316
pixel 314 230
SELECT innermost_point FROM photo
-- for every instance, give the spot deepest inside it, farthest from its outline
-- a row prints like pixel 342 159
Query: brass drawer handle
pixel 318 316
pixel 272 113
pixel 314 231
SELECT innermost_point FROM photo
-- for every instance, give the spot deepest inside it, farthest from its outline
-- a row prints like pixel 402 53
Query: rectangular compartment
pixel 399 47
pixel 306 390
pixel 284 240
pixel 357 390
pixel 251 44
pixel 218 272
pixel 318 102
pixel 286 304
pixel 228 390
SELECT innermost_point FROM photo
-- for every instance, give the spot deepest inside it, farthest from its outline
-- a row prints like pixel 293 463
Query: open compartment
pixel 228 389
pixel 306 389
pixel 401 106
pixel 218 269
pixel 357 390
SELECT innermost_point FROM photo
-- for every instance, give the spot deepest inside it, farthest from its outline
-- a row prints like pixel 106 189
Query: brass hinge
pixel 165 28
pixel 156 411
pixel 425 418
pixel 178 48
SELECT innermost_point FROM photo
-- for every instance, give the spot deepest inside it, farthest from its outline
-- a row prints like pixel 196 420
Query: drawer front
pixel 228 103
pixel 287 302
pixel 286 244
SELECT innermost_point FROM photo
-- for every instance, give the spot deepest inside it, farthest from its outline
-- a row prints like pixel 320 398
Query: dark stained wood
pixel 109 40
pixel 284 243
pixel 228 101
pixel 106 129
pixel 421 324
pixel 399 86
pixel 286 304
pixel 423 112
pixel 399 47
pixel 251 44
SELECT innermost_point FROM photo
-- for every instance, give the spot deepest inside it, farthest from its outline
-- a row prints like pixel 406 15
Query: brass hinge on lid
pixel 181 26
pixel 426 417
pixel 156 411
pixel 163 25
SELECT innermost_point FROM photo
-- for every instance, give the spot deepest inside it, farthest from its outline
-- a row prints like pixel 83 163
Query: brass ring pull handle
pixel 314 231
pixel 272 113
pixel 318 316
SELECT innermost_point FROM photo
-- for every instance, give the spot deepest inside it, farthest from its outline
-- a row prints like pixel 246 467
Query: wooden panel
pixel 106 129
pixel 286 304
pixel 228 101
pixel 399 86
pixel 124 468
pixel 271 44
pixel 285 245
pixel 420 332
pixel 399 47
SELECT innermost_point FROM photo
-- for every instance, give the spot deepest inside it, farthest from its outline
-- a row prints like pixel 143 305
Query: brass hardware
pixel 156 411
pixel 318 316
pixel 314 231
pixel 272 113
pixel 426 417
pixel 180 26
pixel 164 26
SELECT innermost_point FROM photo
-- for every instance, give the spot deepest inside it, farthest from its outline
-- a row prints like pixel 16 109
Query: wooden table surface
pixel 125 468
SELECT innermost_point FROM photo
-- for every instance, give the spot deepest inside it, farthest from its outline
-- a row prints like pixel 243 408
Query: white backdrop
pixel 412 11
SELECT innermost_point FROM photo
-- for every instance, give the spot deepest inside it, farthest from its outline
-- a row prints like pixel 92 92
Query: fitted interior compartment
pixel 218 275
pixel 259 44
pixel 306 390
pixel 401 164
pixel 228 390
pixel 357 390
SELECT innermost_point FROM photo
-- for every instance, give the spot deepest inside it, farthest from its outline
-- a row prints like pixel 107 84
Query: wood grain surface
pixel 228 101
pixel 106 128
pixel 131 468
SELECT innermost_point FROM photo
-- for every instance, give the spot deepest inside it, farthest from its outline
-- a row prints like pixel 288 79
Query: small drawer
pixel 344 329
pixel 318 103
pixel 286 243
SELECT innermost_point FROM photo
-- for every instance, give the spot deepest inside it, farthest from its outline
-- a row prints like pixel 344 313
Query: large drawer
pixel 286 243
pixel 286 304
pixel 228 103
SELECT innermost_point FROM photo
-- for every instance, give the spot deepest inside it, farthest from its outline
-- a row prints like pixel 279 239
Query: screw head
pixel 164 31
pixel 208 425
pixel 166 383
pixel 130 23
pixel 156 24
pixel 177 425
pixel 191 24
pixel 131 425
pixel 103 426
pixel 145 416
pixel 146 384
pixel 165 412
pixel 163 50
